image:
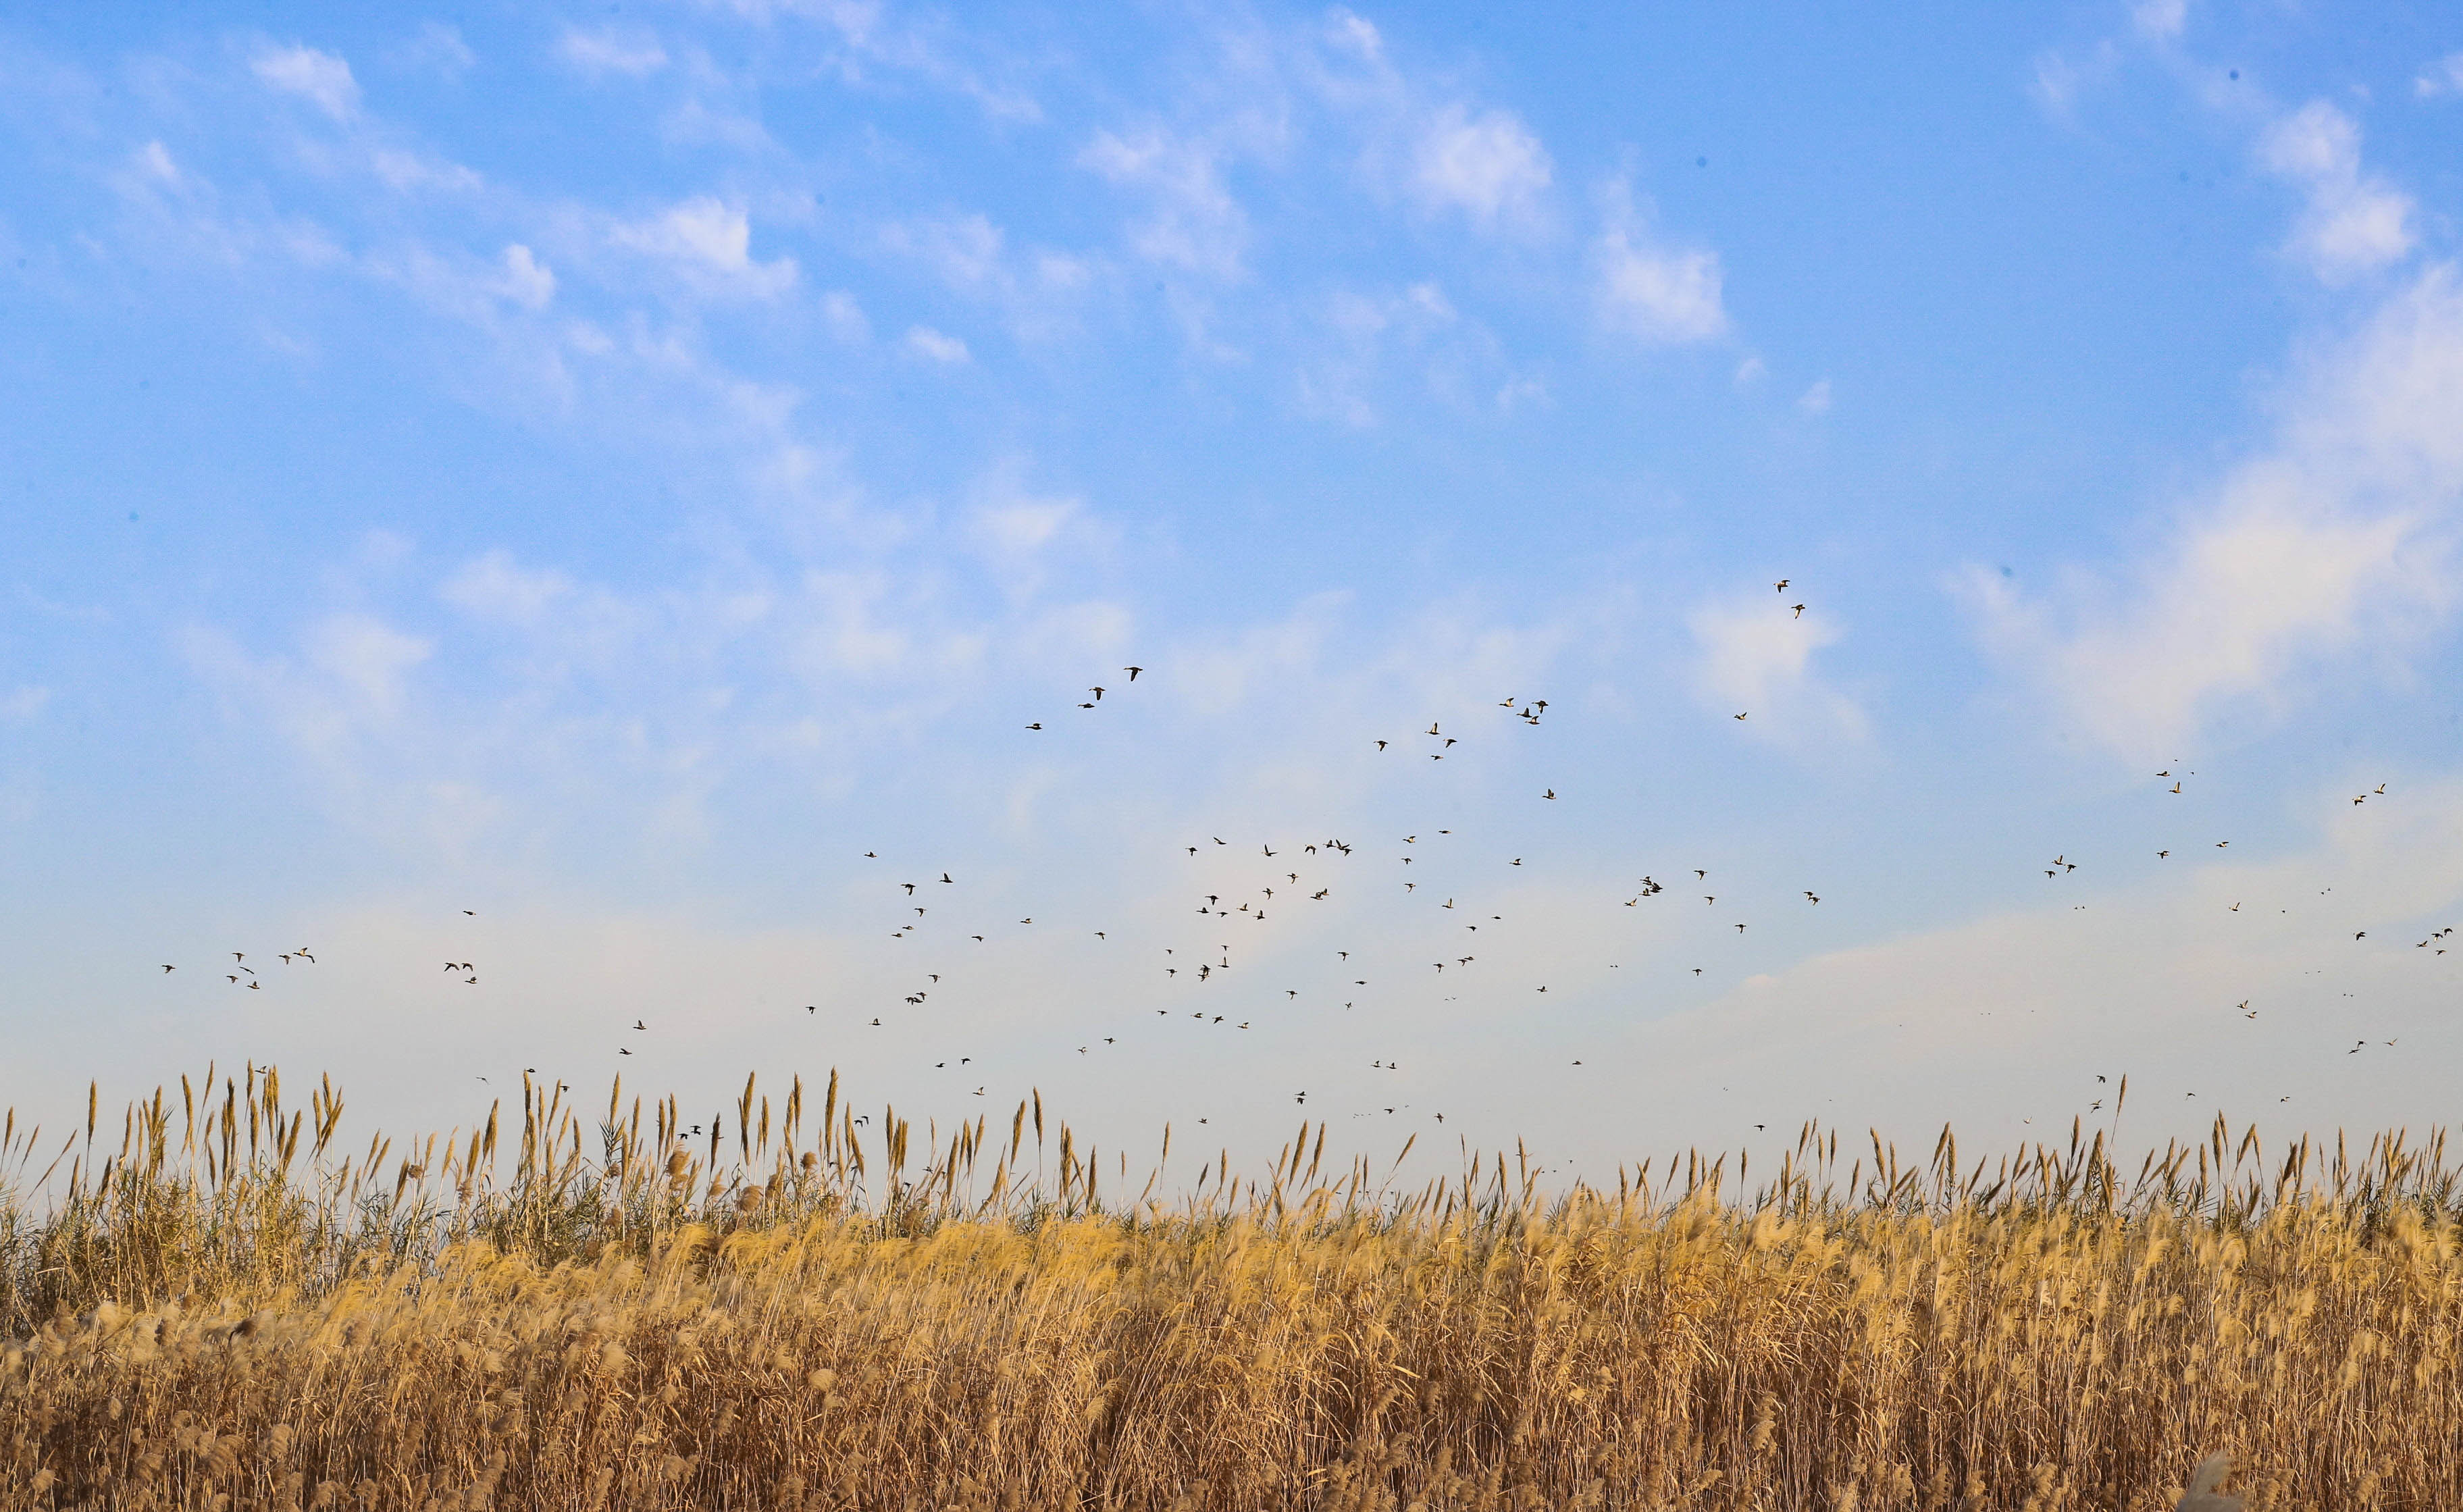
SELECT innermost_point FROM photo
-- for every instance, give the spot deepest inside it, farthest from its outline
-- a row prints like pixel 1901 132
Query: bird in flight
pixel 1781 586
pixel 167 968
pixel 1133 672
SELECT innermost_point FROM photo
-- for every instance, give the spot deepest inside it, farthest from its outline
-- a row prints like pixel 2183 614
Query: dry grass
pixel 216 1317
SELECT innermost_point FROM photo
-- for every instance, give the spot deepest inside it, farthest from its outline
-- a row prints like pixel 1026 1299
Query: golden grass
pixel 213 1317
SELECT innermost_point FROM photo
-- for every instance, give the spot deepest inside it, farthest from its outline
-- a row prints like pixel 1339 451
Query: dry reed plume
pixel 213 1317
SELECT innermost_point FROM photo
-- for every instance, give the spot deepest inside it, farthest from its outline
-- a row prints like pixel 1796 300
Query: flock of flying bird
pixel 1306 874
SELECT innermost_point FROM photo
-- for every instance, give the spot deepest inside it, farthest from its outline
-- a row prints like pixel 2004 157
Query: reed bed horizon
pixel 229 1309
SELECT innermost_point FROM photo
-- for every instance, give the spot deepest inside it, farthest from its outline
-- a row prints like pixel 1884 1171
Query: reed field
pixel 215 1305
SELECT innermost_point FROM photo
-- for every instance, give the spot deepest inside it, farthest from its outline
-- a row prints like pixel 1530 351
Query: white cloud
pixel 319 78
pixel 1364 335
pixel 366 656
pixel 2160 20
pixel 1520 391
pixel 845 317
pixel 1351 33
pixel 964 250
pixel 1487 164
pixel 156 159
pixel 1022 527
pixel 439 47
pixel 1815 400
pixel 526 282
pixel 1021 535
pixel 1658 293
pixel 1660 297
pixel 2444 76
pixel 2354 223
pixel 2056 81
pixel 24 702
pixel 628 51
pixel 932 49
pixel 1062 273
pixel 494 588
pixel 933 345
pixel 710 243
pixel 2337 539
pixel 971 254
pixel 1755 658
pixel 1194 224
pixel 409 170
pixel 2015 1015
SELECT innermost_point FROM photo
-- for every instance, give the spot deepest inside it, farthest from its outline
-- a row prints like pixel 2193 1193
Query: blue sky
pixel 609 469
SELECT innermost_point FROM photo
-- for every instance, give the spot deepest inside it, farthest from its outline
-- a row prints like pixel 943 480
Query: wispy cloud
pixel 1486 163
pixel 321 78
pixel 1192 223
pixel 368 657
pixel 632 51
pixel 2160 20
pixel 438 48
pixel 2355 222
pixel 709 243
pixel 2033 1013
pixel 1755 654
pixel 2335 543
pixel 1648 290
pixel 936 347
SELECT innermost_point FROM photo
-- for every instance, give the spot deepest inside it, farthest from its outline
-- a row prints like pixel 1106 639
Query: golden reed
pixel 229 1313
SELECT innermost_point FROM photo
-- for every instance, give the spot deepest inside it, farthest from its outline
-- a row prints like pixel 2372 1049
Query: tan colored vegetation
pixel 226 1313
